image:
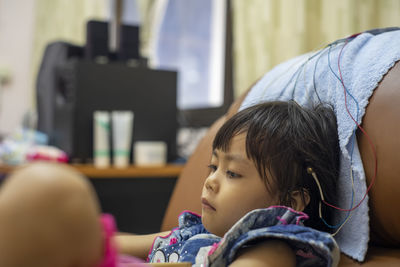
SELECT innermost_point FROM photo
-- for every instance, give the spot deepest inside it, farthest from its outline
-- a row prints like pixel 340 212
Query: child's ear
pixel 297 202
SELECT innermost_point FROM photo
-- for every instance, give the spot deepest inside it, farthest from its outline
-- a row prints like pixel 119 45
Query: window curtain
pixel 267 32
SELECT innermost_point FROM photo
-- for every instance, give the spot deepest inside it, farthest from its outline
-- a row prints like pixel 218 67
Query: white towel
pixel 364 60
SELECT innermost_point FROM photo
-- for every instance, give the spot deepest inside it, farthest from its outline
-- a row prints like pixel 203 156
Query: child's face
pixel 232 189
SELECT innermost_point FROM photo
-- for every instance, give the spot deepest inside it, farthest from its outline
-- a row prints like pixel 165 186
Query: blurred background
pixel 177 65
pixel 218 47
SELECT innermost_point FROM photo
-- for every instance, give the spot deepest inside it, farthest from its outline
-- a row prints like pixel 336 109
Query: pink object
pixel 283 221
pixel 173 241
pixel 302 216
pixel 111 257
pixel 213 248
pixel 46 153
pixel 110 251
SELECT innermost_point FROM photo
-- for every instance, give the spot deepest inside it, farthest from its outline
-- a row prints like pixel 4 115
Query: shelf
pixel 130 172
pixel 170 170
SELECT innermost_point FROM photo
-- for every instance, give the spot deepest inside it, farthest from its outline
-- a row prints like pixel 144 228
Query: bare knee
pixel 44 178
pixel 49 209
pixel 48 189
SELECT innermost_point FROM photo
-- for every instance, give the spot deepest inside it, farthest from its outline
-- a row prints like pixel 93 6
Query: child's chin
pixel 211 227
pixel 206 222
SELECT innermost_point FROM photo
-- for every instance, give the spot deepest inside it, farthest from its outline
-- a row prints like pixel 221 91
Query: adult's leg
pixel 49 216
pixel 381 122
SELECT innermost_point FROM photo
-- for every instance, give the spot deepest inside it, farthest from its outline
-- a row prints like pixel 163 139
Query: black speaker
pixel 96 39
pixel 56 54
pixel 85 87
pixel 128 47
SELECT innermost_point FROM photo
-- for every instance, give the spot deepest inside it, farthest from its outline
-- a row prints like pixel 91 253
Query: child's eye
pixel 231 174
pixel 212 167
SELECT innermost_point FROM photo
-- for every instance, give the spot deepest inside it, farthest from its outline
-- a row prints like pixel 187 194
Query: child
pixel 270 162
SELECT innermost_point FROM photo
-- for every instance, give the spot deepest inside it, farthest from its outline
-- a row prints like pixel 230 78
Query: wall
pixel 25 29
pixel 16 37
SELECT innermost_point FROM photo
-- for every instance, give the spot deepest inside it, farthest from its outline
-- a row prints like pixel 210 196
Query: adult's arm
pixel 266 254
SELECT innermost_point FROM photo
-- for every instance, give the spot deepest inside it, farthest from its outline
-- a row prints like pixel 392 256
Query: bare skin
pixel 49 217
pixel 266 254
pixel 136 245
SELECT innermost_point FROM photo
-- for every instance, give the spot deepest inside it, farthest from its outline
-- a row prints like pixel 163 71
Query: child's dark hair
pixel 283 140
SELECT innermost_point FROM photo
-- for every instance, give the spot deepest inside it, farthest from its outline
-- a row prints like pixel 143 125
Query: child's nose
pixel 212 183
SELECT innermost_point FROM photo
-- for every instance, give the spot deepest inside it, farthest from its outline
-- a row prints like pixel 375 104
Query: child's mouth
pixel 206 205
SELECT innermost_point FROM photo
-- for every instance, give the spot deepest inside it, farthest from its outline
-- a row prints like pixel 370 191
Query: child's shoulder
pixel 277 223
pixel 184 242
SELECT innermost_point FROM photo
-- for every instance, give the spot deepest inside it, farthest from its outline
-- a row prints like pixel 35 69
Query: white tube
pixel 101 132
pixel 122 135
